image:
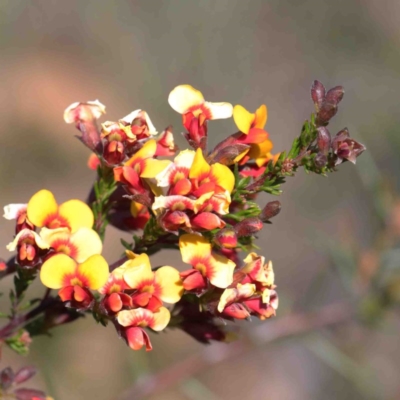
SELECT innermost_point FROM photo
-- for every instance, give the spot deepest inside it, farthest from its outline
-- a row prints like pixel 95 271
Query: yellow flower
pixel 43 211
pixel 197 251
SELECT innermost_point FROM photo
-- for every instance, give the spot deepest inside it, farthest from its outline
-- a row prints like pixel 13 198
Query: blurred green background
pixel 129 54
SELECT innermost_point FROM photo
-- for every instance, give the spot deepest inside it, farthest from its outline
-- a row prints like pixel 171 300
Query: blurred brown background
pixel 129 54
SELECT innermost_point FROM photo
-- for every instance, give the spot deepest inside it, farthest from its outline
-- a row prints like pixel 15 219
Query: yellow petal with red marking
pixel 137 270
pixel 219 110
pixel 160 319
pixel 260 150
pixel 77 213
pixel 153 167
pixel 87 243
pixel 184 97
pixel 222 271
pixel 95 270
pixel 200 168
pixel 147 151
pixel 192 246
pixel 243 118
pixel 168 278
pixel 224 177
pixel 143 317
pixel 261 116
pixel 139 316
pixel 41 205
pixel 55 269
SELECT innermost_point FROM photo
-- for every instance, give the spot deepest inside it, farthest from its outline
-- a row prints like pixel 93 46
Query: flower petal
pixel 131 116
pixel 219 110
pixel 40 206
pixel 243 118
pixel 221 271
pixel 207 220
pixel 183 97
pixel 135 317
pixel 160 320
pixel 185 158
pixel 261 116
pixel 54 270
pixel 174 203
pixel 200 168
pixel 12 211
pixel 153 167
pixel 259 150
pixel 169 280
pixel 84 111
pixel 43 244
pixel 87 243
pixel 95 270
pixel 137 338
pixel 137 270
pixel 147 151
pixel 192 246
pixel 77 213
pixel 224 177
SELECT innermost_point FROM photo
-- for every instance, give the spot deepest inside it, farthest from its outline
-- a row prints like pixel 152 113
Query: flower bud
pixel 248 226
pixel 29 394
pixel 329 106
pixel 335 95
pixel 226 238
pixel 272 209
pixel 137 338
pixel 6 378
pixel 323 140
pixel 317 93
pixel 24 374
pixel 207 221
pixel 327 111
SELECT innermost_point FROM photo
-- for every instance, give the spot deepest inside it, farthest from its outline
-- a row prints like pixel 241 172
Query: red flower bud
pixel 6 378
pixel 335 95
pixel 24 374
pixel 323 140
pixel 137 338
pixel 272 209
pixel 207 220
pixel 226 238
pixel 29 394
pixel 248 226
pixel 317 93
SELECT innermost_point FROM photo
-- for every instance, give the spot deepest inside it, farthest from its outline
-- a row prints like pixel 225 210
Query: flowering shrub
pixel 199 201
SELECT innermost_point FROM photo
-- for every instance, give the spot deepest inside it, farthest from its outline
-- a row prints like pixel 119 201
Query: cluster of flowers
pixel 201 202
